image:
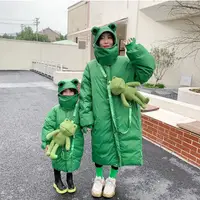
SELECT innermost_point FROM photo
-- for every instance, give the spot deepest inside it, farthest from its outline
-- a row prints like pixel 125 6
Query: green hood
pixel 68 102
pixel 105 56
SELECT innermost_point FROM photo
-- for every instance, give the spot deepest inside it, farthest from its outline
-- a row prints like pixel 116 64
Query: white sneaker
pixel 109 190
pixel 98 187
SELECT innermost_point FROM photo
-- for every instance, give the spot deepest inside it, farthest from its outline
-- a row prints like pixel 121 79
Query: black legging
pixel 113 167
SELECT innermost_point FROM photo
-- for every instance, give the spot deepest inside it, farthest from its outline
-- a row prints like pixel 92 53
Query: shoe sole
pixel 59 191
pixel 96 195
pixel 71 190
pixel 108 196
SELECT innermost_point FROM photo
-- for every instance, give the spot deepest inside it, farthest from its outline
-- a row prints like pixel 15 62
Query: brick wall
pixel 184 143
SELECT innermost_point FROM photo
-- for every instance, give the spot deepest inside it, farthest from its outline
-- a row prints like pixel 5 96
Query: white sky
pixel 52 13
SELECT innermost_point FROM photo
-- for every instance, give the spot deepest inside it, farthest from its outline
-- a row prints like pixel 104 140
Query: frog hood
pixel 105 56
pixel 68 102
pixel 68 84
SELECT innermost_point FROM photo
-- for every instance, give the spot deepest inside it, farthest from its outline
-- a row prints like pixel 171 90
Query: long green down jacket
pixel 67 161
pixel 116 130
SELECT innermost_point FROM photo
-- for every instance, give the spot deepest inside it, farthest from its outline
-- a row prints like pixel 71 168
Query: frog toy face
pixel 117 85
pixel 68 128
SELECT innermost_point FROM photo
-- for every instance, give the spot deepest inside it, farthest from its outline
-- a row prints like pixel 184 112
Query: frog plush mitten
pixel 128 92
pixel 61 137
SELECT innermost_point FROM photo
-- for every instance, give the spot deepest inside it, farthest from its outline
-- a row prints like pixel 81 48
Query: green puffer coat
pixel 67 161
pixel 117 132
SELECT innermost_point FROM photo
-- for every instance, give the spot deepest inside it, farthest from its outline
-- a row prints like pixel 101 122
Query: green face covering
pixel 105 56
pixel 68 102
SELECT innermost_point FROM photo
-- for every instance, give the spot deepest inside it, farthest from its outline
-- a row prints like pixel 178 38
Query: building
pixel 150 22
pixel 51 34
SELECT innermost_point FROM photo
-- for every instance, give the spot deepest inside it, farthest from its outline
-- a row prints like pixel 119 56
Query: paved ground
pixel 26 174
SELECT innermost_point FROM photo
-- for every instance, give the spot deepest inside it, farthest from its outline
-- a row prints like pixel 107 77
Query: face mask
pixel 106 56
pixel 68 102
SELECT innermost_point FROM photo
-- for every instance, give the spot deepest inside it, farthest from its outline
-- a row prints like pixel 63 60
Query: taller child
pixel 116 130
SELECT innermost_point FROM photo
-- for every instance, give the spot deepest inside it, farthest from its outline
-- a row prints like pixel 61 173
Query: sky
pixel 52 14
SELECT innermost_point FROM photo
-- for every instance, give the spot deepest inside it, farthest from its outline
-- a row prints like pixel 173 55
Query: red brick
pixel 188 156
pixel 170 141
pixel 185 139
pixel 174 139
pixel 198 161
pixel 167 131
pixel 165 126
pixel 192 137
pixel 173 129
pixel 198 150
pixel 152 138
pixel 172 148
pixel 173 134
pixel 193 148
pixel 183 148
pixel 152 129
pixel 195 154
pixel 193 162
pixel 161 129
pixel 179 132
pixel 196 144
pixel 149 123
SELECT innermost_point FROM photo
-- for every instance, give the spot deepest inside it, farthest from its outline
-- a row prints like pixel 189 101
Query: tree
pixel 5 35
pixel 189 42
pixel 28 34
pixel 164 60
pixel 62 37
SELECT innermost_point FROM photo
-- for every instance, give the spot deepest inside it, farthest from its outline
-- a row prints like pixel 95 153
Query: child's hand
pixel 89 130
pixel 46 149
pixel 86 130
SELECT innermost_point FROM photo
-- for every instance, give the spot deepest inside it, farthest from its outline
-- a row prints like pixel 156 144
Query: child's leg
pixel 70 183
pixel 99 170
pixel 98 181
pixel 58 185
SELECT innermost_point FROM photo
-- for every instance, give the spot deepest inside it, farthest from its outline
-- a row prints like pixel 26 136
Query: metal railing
pixel 47 68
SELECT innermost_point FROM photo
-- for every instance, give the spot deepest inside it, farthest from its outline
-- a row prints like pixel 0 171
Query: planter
pixel 163 92
pixel 186 95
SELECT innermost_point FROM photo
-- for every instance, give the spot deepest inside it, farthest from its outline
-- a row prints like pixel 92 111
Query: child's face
pixel 68 92
pixel 106 40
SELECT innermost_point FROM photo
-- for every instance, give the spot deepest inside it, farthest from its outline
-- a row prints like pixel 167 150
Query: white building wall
pixel 104 12
pixel 18 55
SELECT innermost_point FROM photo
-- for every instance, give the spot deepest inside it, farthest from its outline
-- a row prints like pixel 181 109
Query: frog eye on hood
pixel 75 81
pixel 61 83
pixel 95 30
pixel 112 26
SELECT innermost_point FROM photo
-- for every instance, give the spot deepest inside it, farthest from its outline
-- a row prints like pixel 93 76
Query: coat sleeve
pixel 142 61
pixel 49 126
pixel 86 113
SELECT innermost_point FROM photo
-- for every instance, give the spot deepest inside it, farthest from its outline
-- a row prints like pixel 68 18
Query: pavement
pixel 26 173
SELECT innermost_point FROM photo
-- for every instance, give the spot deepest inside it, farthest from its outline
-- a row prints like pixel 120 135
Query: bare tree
pixel 164 60
pixel 189 42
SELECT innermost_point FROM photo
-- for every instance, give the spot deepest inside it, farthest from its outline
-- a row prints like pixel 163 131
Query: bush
pixel 150 85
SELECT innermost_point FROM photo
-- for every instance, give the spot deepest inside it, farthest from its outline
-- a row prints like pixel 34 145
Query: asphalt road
pixel 26 173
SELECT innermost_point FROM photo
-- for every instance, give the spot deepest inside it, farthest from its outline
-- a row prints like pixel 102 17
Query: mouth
pixel 106 46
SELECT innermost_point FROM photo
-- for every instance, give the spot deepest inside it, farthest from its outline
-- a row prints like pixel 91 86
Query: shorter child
pixel 67 161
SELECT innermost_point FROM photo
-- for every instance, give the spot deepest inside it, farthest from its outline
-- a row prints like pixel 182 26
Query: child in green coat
pixel 67 161
pixel 116 130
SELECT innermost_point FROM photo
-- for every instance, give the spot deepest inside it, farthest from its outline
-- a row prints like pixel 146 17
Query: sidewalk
pixel 26 173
